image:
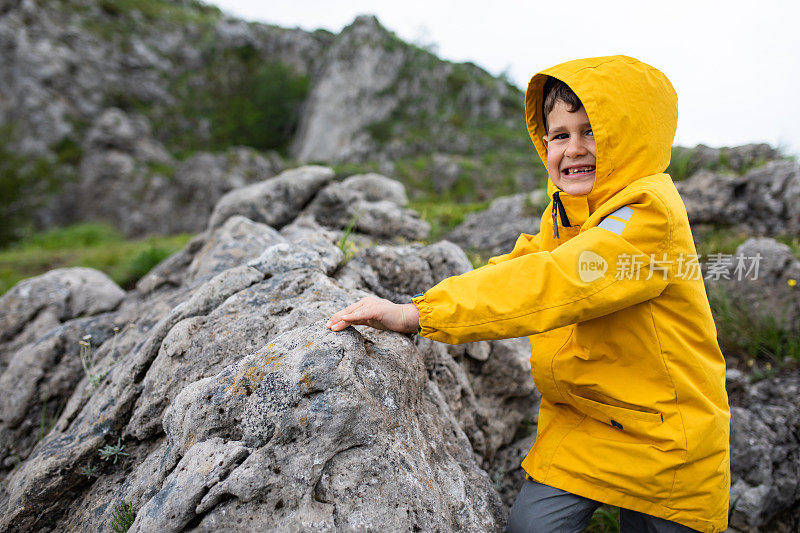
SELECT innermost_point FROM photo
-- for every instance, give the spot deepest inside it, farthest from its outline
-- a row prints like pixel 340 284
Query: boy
pixel 634 411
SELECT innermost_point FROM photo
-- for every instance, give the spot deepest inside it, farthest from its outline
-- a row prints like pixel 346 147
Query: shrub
pixel 245 99
pixel 26 182
pixel 142 262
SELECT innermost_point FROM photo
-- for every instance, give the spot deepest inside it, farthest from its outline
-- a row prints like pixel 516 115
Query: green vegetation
pixel 348 248
pixel 725 240
pixel 89 470
pixel 444 216
pixel 89 244
pixel 245 99
pixel 604 520
pixel 26 182
pixel 114 451
pixel 48 422
pixel 719 240
pixel 763 341
pixel 680 163
pixel 792 242
pixel 156 10
pixel 87 361
pixel 122 517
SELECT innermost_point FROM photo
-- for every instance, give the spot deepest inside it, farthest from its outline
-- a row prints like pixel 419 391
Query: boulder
pixel 765 453
pixel 65 292
pixel 495 230
pixel 304 428
pixel 764 201
pixel 370 204
pixel 274 202
pixel 762 277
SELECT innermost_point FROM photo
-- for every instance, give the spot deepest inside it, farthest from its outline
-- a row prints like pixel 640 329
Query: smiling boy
pixel 634 411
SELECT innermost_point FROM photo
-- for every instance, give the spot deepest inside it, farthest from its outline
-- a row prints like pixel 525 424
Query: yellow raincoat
pixel 634 410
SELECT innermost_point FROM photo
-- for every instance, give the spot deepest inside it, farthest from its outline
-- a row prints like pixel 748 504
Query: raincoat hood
pixel 633 110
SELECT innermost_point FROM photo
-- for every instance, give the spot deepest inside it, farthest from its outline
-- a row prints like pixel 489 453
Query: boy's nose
pixel 575 147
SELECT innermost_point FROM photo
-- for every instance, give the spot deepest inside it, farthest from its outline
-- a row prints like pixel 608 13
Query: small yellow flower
pixel 750 362
pixel 768 366
pixel 792 282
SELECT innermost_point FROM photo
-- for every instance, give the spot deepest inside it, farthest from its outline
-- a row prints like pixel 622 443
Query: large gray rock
pixel 761 277
pixel 322 417
pixel 350 93
pixel 765 454
pixel 737 159
pixel 237 241
pixel 495 230
pixel 276 201
pixel 65 292
pixel 764 201
pixel 370 204
pixel 311 428
pixel 399 272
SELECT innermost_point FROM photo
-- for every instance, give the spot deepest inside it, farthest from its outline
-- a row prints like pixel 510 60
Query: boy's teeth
pixel 576 170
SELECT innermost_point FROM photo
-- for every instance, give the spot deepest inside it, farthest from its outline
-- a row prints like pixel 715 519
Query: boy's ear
pixel 544 141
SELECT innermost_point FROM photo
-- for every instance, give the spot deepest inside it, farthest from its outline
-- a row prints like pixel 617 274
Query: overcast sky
pixel 734 64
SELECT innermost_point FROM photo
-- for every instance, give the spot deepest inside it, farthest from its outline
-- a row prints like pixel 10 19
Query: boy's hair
pixel 555 90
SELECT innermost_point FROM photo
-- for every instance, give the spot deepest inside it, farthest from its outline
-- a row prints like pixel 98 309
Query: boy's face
pixel 571 153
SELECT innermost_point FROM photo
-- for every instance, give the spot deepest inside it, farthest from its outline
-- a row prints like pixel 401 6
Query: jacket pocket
pixel 620 415
pixel 544 349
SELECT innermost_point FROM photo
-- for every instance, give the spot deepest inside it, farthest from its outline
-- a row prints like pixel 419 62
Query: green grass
pixel 444 216
pixel 156 10
pixel 91 245
pixel 719 240
pixel 604 520
pixel 792 242
pixel 122 517
pixel 761 340
pixel 724 240
pixel 680 163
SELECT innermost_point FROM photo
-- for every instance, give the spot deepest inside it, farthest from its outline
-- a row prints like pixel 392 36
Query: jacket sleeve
pixel 605 268
pixel 526 244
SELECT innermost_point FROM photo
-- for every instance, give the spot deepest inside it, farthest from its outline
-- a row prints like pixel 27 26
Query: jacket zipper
pixel 558 206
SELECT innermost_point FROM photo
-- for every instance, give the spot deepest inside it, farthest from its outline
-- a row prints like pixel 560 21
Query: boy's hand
pixel 377 313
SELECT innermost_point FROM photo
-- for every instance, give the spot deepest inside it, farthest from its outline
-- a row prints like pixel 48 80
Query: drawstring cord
pixel 557 205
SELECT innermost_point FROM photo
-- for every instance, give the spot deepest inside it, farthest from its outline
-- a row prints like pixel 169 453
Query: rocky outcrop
pixel 765 453
pixel 761 277
pixel 358 70
pixel 370 204
pixel 274 202
pixel 238 409
pixel 736 159
pixel 763 201
pixel 369 96
pixel 495 230
pixel 116 100
pixel 159 193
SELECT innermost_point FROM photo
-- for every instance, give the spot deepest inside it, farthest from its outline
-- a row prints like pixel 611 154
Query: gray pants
pixel 543 509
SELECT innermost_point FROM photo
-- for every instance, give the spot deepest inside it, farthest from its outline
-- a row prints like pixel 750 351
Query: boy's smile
pixel 571 152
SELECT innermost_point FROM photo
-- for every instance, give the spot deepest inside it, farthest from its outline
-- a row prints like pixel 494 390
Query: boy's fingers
pixel 358 316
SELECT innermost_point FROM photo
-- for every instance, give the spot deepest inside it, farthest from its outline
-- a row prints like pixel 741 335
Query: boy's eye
pixel 561 136
pixel 590 133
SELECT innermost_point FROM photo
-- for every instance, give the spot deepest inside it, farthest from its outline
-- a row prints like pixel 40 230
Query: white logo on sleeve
pixel 591 266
